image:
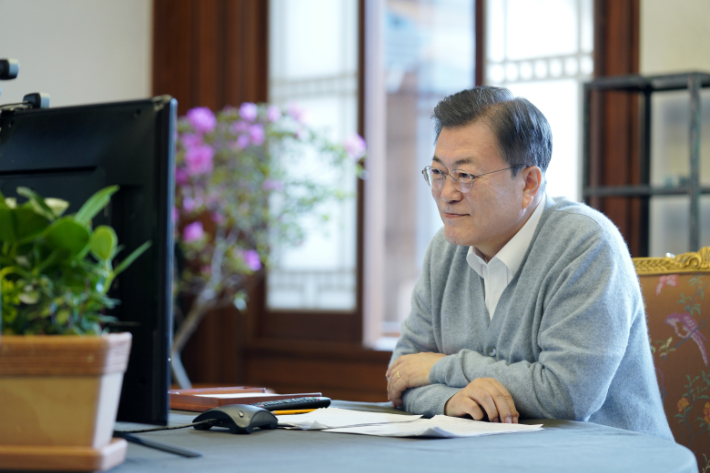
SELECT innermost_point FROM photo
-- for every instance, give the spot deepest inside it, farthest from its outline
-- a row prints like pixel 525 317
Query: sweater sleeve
pixel 589 303
pixel 418 336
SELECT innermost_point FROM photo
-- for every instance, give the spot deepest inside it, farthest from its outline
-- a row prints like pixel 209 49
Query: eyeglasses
pixel 463 181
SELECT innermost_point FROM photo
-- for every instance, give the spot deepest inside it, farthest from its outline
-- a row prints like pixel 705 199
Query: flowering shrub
pixel 245 179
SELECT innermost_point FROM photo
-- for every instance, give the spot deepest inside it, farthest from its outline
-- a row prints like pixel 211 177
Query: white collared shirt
pixel 498 272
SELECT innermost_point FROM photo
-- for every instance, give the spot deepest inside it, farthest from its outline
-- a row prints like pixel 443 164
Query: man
pixel 527 306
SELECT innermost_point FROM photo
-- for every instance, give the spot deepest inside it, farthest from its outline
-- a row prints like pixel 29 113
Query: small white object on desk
pixel 332 418
pixel 439 427
pixel 396 425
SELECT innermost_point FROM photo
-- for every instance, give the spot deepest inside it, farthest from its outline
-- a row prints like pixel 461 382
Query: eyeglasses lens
pixel 435 178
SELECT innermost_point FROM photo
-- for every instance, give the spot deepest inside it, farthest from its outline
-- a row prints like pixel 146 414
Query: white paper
pixel 331 418
pixel 439 427
pixel 237 395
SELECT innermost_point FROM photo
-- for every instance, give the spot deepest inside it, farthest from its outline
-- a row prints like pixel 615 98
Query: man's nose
pixel 449 192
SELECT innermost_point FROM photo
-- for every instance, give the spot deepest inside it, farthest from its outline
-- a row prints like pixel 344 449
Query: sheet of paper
pixel 331 417
pixel 438 427
pixel 237 395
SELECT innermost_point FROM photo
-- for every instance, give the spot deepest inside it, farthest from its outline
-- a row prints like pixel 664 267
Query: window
pixel 542 50
pixel 418 51
pixel 313 65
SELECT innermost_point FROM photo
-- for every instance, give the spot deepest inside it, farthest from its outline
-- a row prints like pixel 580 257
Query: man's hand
pixel 409 371
pixel 483 394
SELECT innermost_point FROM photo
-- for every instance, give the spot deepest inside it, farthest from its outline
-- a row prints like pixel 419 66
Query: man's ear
pixel 532 177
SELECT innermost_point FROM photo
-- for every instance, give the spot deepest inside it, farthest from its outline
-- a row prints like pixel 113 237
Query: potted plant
pixel 60 373
pixel 247 179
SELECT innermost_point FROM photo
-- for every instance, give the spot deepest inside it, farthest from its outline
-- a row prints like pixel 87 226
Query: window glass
pixel 428 54
pixel 313 66
pixel 542 50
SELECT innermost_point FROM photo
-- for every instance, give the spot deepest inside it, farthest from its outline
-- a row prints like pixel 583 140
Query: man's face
pixel 493 211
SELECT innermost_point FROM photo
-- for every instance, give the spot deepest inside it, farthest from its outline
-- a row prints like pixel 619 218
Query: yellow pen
pixel 293 411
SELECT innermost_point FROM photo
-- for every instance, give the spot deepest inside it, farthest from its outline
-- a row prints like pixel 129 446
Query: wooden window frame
pixel 200 52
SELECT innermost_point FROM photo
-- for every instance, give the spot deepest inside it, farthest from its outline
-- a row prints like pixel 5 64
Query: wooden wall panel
pixel 615 146
pixel 210 53
pixel 339 371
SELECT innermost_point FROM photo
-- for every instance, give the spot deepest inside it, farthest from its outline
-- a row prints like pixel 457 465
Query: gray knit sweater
pixel 568 338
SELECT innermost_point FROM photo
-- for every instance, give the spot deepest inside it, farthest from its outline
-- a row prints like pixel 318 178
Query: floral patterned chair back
pixel 679 326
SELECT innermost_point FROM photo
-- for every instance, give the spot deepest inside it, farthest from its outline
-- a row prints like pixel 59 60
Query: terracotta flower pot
pixel 58 401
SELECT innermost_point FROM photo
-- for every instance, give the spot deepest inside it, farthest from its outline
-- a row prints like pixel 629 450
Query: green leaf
pixel 103 242
pixel 48 261
pixel 126 263
pixel 29 223
pixel 58 206
pixel 8 224
pixel 37 203
pixel 94 205
pixel 67 234
pixel 131 258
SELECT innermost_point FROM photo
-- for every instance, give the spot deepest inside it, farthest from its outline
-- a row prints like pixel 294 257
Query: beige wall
pixel 78 51
pixel 675 37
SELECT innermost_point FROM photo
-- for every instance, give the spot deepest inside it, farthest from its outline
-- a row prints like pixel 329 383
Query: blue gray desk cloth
pixel 563 446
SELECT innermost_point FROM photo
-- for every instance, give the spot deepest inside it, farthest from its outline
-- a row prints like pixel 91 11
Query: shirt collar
pixel 511 255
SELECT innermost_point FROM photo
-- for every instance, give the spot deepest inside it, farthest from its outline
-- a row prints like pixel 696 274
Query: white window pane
pixel 314 37
pixel 495 30
pixel 559 102
pixel 313 64
pixel 541 28
pixel 586 33
pixel 547 55
pixel 429 53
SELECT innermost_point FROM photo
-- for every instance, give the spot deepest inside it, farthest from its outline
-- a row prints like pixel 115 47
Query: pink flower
pixel 243 141
pixel 202 119
pixel 256 134
pixel 251 258
pixel 218 218
pixel 297 113
pixel 188 204
pixel 175 215
pixel 199 159
pixel 181 176
pixel 272 185
pixel 273 113
pixel 190 141
pixel 193 232
pixel 239 127
pixel 669 280
pixel 355 147
pixel 205 269
pixel 248 111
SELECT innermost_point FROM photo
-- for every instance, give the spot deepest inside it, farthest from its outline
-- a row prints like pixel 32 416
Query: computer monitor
pixel 72 152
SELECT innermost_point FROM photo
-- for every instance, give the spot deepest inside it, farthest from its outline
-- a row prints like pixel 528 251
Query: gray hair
pixel 523 133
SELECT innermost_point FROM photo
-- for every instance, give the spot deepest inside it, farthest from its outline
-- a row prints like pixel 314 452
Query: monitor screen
pixel 72 152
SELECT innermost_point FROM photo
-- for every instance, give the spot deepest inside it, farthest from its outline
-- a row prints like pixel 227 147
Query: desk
pixel 563 446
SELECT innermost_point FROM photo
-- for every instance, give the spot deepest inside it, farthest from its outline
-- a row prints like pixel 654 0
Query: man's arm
pixel 588 312
pixel 483 397
pixel 417 351
pixel 418 337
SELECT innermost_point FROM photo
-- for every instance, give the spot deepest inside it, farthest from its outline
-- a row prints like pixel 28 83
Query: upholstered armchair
pixel 679 326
